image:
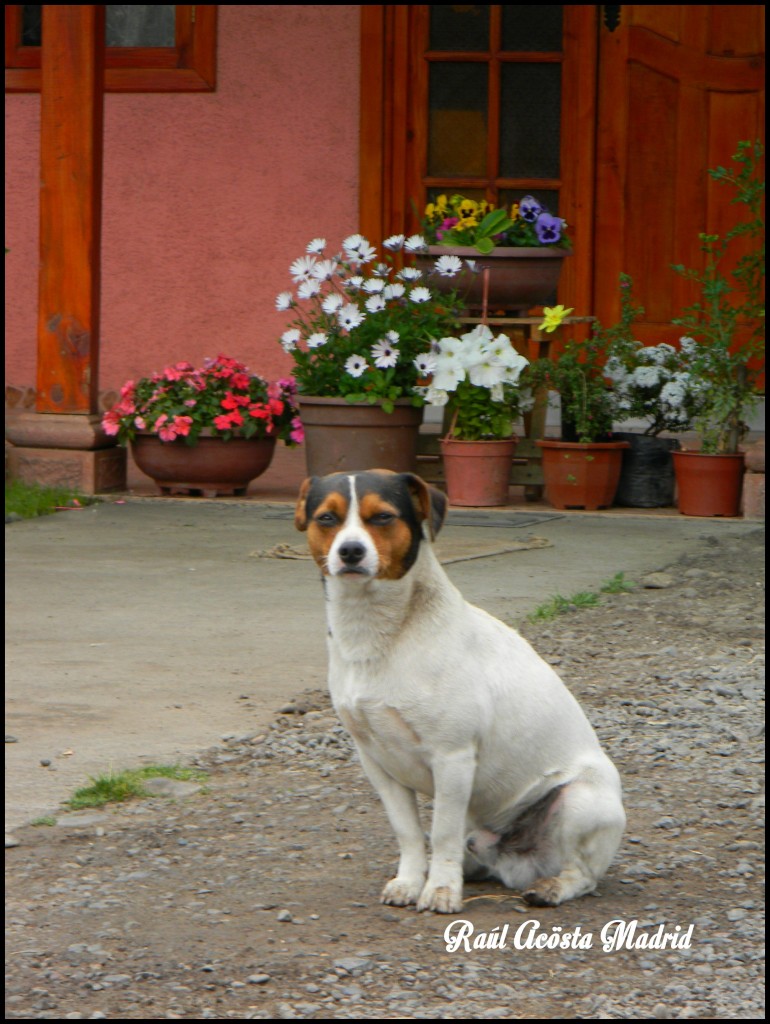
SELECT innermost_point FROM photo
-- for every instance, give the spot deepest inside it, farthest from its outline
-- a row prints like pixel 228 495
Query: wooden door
pixel 491 101
pixel 679 87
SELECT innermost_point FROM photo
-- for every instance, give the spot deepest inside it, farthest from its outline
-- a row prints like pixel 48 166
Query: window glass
pixel 126 25
pixel 457 132
pixel 530 118
pixel 532 29
pixel 459 27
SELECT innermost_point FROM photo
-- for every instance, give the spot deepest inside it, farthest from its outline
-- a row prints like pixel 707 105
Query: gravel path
pixel 257 897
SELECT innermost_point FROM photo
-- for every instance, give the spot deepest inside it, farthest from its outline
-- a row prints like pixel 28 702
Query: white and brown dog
pixel 443 699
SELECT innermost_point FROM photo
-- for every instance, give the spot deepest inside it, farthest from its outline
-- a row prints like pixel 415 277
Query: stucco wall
pixel 208 197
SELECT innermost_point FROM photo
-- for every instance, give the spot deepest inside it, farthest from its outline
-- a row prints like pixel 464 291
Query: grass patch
pixel 558 605
pixel 27 501
pixel 115 787
pixel 618 585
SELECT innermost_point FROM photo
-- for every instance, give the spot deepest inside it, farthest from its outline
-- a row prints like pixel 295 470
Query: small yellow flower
pixel 553 317
pixel 514 211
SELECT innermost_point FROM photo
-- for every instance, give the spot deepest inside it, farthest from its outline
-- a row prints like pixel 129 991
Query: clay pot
pixel 211 467
pixel 581 475
pixel 709 485
pixel 477 472
pixel 345 436
pixel 519 277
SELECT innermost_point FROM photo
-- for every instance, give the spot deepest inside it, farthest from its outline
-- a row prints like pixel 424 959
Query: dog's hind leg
pixel 401 808
pixel 582 836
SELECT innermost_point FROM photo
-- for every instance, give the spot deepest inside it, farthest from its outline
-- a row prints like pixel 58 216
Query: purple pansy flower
pixel 529 208
pixel 548 229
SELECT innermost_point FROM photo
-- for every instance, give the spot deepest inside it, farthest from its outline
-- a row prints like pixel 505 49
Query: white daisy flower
pixel 384 354
pixel 308 289
pixel 415 243
pixel 316 247
pixel 289 340
pixel 350 316
pixel 394 291
pixel 410 274
pixel 374 284
pixel 375 303
pixel 354 284
pixel 302 269
pixel 394 243
pixel 393 337
pixel 381 269
pixel 356 365
pixel 317 339
pixel 324 270
pixel 284 301
pixel 425 364
pixel 420 294
pixel 448 266
pixel 332 303
pixel 358 250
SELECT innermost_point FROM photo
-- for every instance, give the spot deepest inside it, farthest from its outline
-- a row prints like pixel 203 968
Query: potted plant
pixel 211 429
pixel 362 329
pixel 522 248
pixel 583 468
pixel 653 384
pixel 726 339
pixel 476 378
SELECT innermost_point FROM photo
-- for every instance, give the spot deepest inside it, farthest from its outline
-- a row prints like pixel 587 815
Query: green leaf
pixel 485 245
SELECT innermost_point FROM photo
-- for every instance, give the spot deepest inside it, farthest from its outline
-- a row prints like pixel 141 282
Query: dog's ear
pixel 300 512
pixel 431 504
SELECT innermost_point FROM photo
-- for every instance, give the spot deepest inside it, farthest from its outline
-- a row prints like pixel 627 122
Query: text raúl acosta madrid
pixel 616 934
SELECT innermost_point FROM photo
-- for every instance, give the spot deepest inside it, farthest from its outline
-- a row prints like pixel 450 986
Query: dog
pixel 445 700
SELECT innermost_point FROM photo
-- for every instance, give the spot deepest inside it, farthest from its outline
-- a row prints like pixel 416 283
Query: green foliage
pixel 476 417
pixel 617 584
pixel 728 321
pixel 558 605
pixel 116 787
pixel 26 501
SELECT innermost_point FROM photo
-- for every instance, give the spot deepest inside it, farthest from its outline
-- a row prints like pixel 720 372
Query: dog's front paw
pixel 401 892
pixel 443 899
pixel 546 892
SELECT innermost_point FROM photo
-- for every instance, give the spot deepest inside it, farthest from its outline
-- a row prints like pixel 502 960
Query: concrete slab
pixel 144 630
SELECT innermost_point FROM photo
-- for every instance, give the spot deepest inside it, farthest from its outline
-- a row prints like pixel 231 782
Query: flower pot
pixel 345 436
pixel 709 485
pixel 519 277
pixel 647 475
pixel 581 475
pixel 477 472
pixel 212 466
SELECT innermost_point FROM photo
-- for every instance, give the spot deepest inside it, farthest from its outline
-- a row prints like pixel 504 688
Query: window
pixel 150 48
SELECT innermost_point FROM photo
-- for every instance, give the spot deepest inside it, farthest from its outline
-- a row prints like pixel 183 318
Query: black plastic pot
pixel 647 477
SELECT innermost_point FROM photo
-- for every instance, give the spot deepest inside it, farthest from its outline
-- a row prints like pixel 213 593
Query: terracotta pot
pixel 345 436
pixel 519 277
pixel 709 485
pixel 477 472
pixel 647 475
pixel 212 466
pixel 581 475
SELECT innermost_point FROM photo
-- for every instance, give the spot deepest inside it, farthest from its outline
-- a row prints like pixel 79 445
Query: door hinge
pixel 192 14
pixel 611 16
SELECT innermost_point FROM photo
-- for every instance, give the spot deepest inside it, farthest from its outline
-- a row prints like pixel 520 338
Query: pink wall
pixel 208 197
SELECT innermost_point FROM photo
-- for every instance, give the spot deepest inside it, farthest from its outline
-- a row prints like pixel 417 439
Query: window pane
pixel 457 133
pixel 530 120
pixel 462 27
pixel 532 28
pixel 126 25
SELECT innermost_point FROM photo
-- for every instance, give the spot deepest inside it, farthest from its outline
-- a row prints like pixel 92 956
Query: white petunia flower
pixel 375 303
pixel 350 316
pixel 356 366
pixel 415 243
pixel 316 247
pixel 436 396
pixel 284 301
pixel 317 339
pixel 449 266
pixel 384 354
pixel 394 243
pixel 420 294
pixel 485 374
pixel 302 269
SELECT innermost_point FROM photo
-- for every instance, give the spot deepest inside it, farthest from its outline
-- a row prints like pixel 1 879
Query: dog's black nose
pixel 352 552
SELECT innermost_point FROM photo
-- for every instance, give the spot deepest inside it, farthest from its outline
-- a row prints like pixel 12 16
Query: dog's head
pixel 370 524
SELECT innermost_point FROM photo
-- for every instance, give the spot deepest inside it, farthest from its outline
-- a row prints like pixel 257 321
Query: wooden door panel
pixel 679 87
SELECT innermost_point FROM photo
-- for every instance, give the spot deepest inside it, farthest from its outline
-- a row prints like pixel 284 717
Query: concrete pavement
pixel 141 631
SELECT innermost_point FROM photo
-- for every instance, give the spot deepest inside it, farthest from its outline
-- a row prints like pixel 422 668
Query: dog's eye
pixel 326 519
pixel 382 518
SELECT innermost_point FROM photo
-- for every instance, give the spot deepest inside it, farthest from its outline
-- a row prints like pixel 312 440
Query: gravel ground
pixel 257 896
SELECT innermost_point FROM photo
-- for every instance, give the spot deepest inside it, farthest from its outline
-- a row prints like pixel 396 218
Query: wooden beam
pixel 72 105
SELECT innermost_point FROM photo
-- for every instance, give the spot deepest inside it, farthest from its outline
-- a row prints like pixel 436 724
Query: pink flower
pixel 275 406
pixel 111 422
pixel 160 420
pixel 222 422
pixel 182 425
pixel 259 411
pixel 139 423
pixel 240 380
pixel 297 433
pixel 167 433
